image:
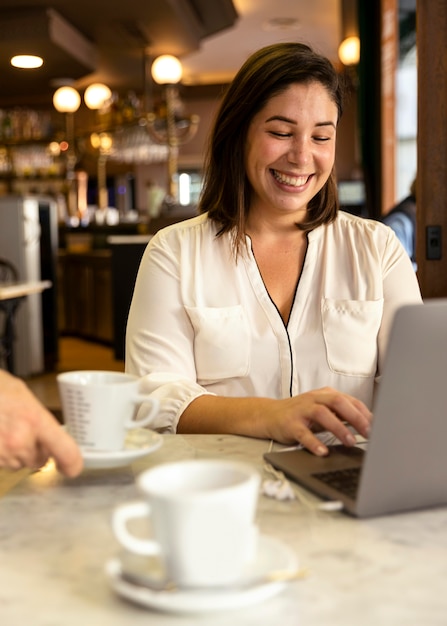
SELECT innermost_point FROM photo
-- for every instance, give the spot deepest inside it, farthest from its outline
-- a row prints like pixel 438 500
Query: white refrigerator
pixel 20 235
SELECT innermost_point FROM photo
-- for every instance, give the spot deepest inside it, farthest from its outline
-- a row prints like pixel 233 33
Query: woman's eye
pixel 278 134
pixel 321 139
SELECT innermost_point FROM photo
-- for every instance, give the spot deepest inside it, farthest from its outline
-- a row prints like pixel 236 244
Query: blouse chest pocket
pixel 350 329
pixel 221 342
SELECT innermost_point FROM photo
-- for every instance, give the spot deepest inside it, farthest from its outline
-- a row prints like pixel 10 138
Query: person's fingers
pixel 60 445
pixel 307 439
pixel 29 433
pixel 329 410
pixel 325 420
pixel 26 453
pixel 17 447
pixel 41 457
pixel 12 463
pixel 342 408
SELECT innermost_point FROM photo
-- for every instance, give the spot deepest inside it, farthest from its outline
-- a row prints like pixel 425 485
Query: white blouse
pixel 200 322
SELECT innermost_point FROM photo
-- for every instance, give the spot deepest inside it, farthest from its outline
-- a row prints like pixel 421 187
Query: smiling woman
pixel 266 76
pixel 268 315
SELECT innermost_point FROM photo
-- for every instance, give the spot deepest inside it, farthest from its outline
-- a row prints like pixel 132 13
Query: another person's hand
pixel 297 419
pixel 29 434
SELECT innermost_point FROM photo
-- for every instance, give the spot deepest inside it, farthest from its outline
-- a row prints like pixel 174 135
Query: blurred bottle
pixel 6 126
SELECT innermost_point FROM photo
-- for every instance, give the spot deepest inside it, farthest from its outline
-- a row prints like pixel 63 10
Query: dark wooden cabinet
pixel 85 306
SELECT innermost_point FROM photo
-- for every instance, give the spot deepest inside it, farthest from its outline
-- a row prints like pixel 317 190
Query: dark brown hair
pixel 266 73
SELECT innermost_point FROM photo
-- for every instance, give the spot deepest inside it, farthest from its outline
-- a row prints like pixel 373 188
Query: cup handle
pixel 120 518
pixel 145 421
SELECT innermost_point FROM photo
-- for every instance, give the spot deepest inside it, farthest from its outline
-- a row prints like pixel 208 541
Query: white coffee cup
pixel 202 519
pixel 99 407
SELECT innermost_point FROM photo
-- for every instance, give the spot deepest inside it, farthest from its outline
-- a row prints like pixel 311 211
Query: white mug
pixel 202 519
pixel 98 407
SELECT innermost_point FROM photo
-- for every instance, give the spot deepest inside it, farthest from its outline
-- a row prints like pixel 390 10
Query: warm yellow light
pixel 105 142
pixel 101 141
pixel 66 100
pixel 349 51
pixel 166 70
pixel 95 141
pixel 26 61
pixel 96 95
pixel 54 148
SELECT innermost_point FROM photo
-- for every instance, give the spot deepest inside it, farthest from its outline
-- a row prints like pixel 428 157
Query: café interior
pixel 112 147
pixel 105 142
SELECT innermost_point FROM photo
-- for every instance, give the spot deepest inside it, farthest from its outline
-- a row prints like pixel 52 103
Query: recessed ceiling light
pixel 282 23
pixel 26 61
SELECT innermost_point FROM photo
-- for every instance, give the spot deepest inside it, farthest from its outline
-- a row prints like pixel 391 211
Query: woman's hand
pixel 29 434
pixel 289 421
pixel 296 419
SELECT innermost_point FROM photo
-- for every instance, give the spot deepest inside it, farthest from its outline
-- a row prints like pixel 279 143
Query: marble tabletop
pixel 55 537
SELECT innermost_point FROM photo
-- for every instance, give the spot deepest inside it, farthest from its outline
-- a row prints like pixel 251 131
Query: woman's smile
pixel 290 180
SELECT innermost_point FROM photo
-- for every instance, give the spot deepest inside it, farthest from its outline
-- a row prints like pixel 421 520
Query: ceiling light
pixel 96 95
pixel 167 70
pixel 66 100
pixel 43 31
pixel 26 61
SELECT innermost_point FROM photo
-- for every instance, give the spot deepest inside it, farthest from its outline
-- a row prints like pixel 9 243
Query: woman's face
pixel 290 149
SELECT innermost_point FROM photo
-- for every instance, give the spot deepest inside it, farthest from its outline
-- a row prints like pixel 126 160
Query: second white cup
pixel 201 515
pixel 99 407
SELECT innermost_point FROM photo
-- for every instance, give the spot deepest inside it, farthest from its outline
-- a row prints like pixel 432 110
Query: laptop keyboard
pixel 346 480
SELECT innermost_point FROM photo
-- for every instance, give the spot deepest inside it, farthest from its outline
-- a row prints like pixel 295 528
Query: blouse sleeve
pixel 159 335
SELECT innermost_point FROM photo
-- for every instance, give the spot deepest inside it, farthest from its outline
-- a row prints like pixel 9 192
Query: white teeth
pixel 295 181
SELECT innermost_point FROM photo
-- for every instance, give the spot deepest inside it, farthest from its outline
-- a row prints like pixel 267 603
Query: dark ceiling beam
pixel 208 17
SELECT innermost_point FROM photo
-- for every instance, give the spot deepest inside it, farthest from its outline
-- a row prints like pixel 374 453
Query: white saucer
pixel 139 442
pixel 273 555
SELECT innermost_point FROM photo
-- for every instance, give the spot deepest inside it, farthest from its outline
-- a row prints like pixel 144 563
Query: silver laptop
pixel 404 466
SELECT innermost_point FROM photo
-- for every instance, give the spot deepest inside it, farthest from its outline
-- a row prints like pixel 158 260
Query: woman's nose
pixel 299 151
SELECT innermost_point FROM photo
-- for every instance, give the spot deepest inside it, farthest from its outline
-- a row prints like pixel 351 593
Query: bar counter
pixel 55 538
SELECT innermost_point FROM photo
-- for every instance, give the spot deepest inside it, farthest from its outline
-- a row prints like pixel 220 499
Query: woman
pixel 268 314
